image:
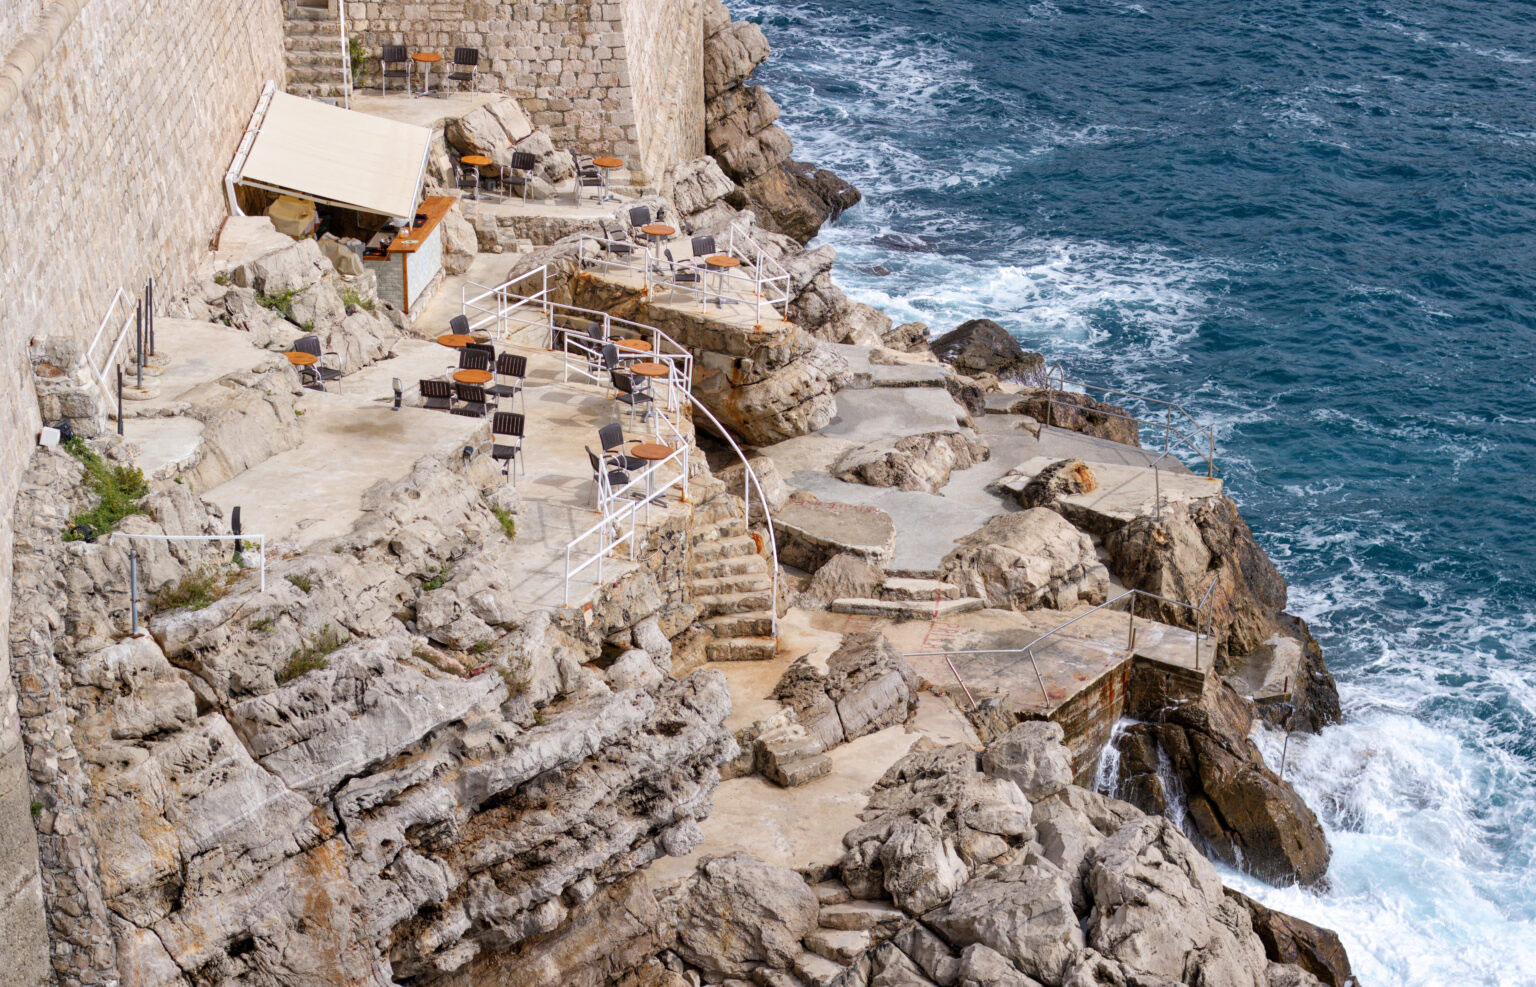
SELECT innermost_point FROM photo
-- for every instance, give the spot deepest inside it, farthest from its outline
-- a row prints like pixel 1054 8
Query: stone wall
pixel 113 159
pixel 623 77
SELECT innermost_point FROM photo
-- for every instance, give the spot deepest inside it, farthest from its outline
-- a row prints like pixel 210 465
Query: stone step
pixel 756 648
pixel 716 604
pixel 817 971
pixel 756 623
pixel 730 566
pixel 905 609
pixel 724 548
pixel 855 915
pixel 918 589
pixel 739 582
pixel 730 527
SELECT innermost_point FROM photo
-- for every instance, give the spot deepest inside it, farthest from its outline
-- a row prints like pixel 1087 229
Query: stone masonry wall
pixel 113 160
pixel 623 77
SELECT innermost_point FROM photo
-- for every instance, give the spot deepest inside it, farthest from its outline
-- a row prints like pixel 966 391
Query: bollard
pixel 138 333
pixel 119 400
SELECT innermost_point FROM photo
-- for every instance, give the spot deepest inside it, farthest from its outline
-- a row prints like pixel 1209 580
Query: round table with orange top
pixel 473 376
pixel 607 165
pixel 651 452
pixel 657 232
pixel 633 345
pixel 426 59
pixel 455 340
pixel 718 264
pixel 649 369
pixel 478 160
pixel 301 359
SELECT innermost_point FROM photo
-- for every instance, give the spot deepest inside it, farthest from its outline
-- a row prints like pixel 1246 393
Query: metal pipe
pixel 138 342
pixel 1044 692
pixel 966 689
pixel 119 400
pixel 133 589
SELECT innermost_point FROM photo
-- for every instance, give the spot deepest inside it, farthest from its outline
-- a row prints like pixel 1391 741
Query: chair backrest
pixel 611 436
pixel 469 176
pixel 611 357
pixel 459 325
pixel 595 331
pixel 703 246
pixel 488 349
pixel 307 344
pixel 640 216
pixel 466 56
pixel 394 53
pixel 512 365
pixel 434 388
pixel 507 423
pixel 621 382
pixel 524 161
pixel 474 359
pixel 470 393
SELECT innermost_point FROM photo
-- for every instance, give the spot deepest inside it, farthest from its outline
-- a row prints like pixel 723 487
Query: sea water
pixel 1314 225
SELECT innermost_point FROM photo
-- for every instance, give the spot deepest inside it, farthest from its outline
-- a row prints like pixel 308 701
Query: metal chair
pixel 515 367
pixel 316 374
pixel 702 247
pixel 508 425
pixel 587 175
pixel 459 325
pixel 465 58
pixel 683 274
pixel 522 164
pixel 472 401
pixel 489 349
pixel 436 394
pixel 605 479
pixel 471 360
pixel 612 438
pixel 395 55
pixel 629 394
pixel 639 216
pixel 613 243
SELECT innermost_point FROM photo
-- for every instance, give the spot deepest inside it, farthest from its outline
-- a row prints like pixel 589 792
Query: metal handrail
pixel 1057 382
pixel 99 372
pixel 1028 649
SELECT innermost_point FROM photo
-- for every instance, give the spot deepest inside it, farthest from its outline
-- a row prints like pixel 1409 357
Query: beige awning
pixel 341 157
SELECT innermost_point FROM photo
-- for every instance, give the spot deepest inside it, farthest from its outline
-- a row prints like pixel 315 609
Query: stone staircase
pixel 731 583
pixel 312 48
pixel 910 599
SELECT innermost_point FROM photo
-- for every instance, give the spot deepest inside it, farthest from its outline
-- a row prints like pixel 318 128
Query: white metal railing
pixel 761 278
pixel 1180 429
pixel 1196 609
pixel 500 306
pixel 114 344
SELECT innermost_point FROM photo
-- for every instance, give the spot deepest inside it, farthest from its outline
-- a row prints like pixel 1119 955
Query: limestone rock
pixel 1247 814
pixel 1158 906
pixel 810 532
pixel 1026 560
pixel 909 337
pixel 1032 756
pixel 913 462
pixel 1060 479
pixel 868 686
pixel 459 241
pixel 1290 940
pixel 844 575
pixel 981 966
pixel 290 268
pixel 774 489
pixel 731 55
pixel 696 186
pixel 1078 413
pixel 983 346
pixel 633 670
pixel 1179 555
pixel 1069 824
pixel 1022 911
pixel 739 911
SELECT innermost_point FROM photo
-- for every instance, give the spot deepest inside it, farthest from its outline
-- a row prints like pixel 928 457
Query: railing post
pixel 1130 624
pixel 1157 490
pixel 133 589
pixel 1210 461
pixel 119 400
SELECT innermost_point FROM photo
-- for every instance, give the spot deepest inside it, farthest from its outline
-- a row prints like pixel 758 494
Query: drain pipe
pixel 29 54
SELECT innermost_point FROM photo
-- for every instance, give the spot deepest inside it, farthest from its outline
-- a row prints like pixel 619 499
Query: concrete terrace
pixel 353 440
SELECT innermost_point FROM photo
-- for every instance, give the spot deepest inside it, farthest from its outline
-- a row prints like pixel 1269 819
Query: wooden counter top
pixel 435 207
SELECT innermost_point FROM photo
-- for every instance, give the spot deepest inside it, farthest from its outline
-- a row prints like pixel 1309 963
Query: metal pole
pixel 1157 492
pixel 119 400
pixel 1285 749
pixel 138 332
pixel 1038 677
pixel 1130 623
pixel 149 309
pixel 133 588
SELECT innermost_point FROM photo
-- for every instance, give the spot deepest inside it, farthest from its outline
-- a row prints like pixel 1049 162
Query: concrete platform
pixel 421 111
pixel 1127 492
pixel 869 374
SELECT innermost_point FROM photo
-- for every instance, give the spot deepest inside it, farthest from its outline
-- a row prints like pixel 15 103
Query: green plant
pixel 506 520
pixel 279 301
pixel 302 582
pixel 308 326
pixel 358 56
pixel 311 656
pixel 119 491
pixel 262 626
pixel 195 591
pixel 37 809
pixel 221 279
pixel 437 580
pixel 481 647
pixel 350 298
pixel 516 684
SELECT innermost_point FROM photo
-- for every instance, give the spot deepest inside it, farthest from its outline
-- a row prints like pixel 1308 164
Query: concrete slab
pixel 1127 492
pixel 166 445
pixel 868 374
pixel 424 111
pixel 197 353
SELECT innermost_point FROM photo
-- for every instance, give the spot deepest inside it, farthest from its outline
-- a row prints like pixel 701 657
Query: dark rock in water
pixel 1178 555
pixel 1078 413
pixel 878 270
pixel 981 346
pixel 839 195
pixel 1288 939
pixel 1246 813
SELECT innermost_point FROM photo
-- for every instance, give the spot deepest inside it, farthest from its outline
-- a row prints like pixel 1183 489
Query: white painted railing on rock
pixel 106 346
pixel 133 561
pixel 505 309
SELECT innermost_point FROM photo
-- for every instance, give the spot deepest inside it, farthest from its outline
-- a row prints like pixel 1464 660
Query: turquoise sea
pixel 1315 226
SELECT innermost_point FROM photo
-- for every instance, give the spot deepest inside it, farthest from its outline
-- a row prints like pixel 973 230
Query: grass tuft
pixel 350 298
pixel 311 656
pixel 303 582
pixel 279 301
pixel 196 591
pixel 119 491
pixel 437 580
pixel 506 520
